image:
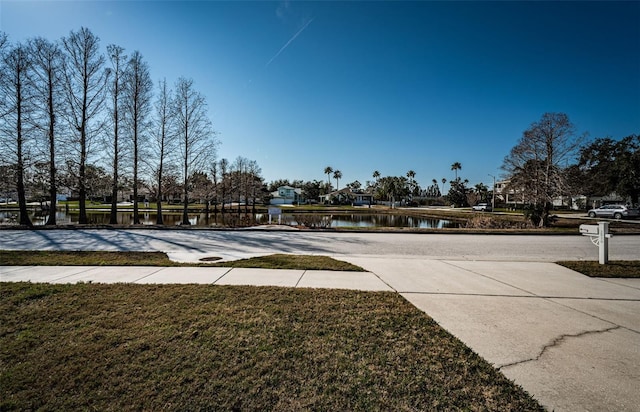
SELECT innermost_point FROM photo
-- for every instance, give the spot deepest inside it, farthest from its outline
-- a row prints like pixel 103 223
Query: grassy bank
pixel 103 258
pixel 190 347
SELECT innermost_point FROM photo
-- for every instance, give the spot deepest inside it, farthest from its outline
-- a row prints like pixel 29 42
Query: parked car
pixel 481 207
pixel 614 211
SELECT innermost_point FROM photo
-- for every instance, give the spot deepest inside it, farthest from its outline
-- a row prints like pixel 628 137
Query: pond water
pixel 335 220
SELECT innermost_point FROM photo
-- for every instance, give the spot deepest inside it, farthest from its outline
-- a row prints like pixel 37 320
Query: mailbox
pixel 600 237
pixel 589 230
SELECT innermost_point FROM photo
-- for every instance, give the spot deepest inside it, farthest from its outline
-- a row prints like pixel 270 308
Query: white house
pixel 286 195
pixel 348 195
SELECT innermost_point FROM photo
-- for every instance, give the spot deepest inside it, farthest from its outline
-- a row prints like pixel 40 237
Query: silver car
pixel 482 207
pixel 614 211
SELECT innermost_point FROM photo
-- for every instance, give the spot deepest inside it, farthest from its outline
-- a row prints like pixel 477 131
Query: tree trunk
pixel 159 220
pixel 185 209
pixel 82 219
pixel 22 201
pixel 51 220
pixel 136 217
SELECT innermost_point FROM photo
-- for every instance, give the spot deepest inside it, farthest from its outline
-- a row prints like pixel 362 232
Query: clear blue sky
pixel 364 86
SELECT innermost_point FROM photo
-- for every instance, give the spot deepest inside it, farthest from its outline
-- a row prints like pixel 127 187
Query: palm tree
pixel 376 175
pixel 435 182
pixel 443 182
pixel 337 175
pixel 455 167
pixel 327 171
pixel 411 175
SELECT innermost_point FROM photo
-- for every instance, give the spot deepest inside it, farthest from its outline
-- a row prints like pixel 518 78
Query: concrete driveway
pixel 571 341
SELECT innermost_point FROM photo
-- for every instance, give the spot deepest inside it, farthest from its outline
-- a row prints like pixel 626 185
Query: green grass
pixel 195 347
pixel 103 258
pixel 613 269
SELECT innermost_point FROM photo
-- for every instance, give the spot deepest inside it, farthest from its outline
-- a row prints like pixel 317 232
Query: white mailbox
pixel 600 237
pixel 589 230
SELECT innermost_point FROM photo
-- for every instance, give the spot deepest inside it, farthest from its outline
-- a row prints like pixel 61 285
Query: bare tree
pixel 162 143
pixel 215 177
pixel 535 166
pixel 255 182
pixel 224 172
pixel 4 41
pixel 138 94
pixel 46 80
pixel 239 171
pixel 85 82
pixel 16 97
pixel 196 135
pixel 117 58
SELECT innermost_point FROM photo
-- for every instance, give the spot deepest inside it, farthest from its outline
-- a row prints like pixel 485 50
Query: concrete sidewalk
pixel 214 275
pixel 571 341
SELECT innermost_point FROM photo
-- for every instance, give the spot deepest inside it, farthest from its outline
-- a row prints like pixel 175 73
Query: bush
pixel 490 222
pixel 313 221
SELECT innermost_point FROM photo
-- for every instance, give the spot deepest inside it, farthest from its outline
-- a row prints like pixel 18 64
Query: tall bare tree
pixel 85 83
pixel 138 94
pixel 162 144
pixel 196 135
pixel 255 183
pixel 47 79
pixel 118 59
pixel 224 186
pixel 536 164
pixel 16 101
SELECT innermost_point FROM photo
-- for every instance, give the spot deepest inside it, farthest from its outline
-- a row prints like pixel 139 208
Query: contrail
pixel 289 42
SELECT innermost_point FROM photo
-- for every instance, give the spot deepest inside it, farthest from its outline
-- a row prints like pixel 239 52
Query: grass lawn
pixel 195 347
pixel 613 269
pixel 59 258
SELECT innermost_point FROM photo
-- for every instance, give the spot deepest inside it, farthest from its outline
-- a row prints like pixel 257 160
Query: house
pixel 286 195
pixel 347 195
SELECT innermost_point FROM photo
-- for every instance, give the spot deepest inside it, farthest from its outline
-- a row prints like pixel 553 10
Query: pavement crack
pixel 556 342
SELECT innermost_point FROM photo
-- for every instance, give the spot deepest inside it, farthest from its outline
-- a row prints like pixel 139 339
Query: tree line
pixel 67 108
pixel 551 160
pixel 73 117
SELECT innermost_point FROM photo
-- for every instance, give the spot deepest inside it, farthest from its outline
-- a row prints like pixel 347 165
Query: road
pixel 190 244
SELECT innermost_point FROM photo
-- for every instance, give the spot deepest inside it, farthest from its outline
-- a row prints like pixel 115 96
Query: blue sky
pixel 364 86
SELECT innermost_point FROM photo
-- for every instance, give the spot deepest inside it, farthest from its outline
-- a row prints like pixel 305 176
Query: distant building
pixel 347 195
pixel 286 195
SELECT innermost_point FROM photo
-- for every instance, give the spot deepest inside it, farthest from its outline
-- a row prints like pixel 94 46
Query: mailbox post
pixel 603 235
pixel 600 237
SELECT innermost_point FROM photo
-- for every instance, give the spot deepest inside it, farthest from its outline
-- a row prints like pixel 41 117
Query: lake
pixel 334 220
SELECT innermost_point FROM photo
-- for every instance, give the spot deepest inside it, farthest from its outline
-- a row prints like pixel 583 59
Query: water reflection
pixel 341 220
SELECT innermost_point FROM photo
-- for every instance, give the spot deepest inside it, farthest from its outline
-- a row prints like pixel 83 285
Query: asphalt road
pixel 238 244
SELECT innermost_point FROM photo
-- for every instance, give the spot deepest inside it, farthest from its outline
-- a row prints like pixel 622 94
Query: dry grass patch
pixel 83 258
pixel 78 258
pixel 613 269
pixel 191 347
pixel 283 261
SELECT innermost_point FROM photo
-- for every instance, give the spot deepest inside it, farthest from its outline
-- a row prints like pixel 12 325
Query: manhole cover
pixel 210 259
